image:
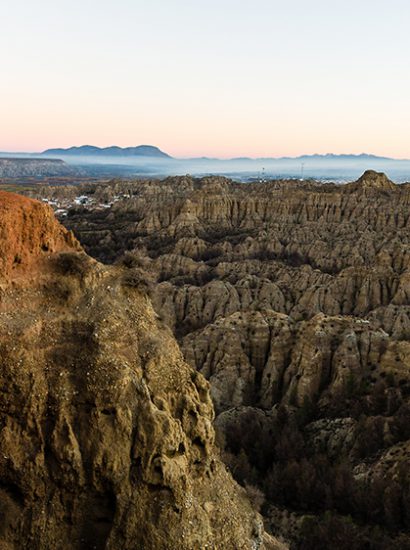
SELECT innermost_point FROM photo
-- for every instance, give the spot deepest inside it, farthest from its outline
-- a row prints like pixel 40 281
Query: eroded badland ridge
pixel 106 433
pixel 293 299
pixel 35 168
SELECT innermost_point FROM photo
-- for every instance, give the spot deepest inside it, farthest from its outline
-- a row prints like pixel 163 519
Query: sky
pixel 216 78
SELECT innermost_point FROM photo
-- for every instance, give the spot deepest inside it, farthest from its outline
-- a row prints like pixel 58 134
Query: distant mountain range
pixel 327 157
pixel 153 152
pixel 114 151
pixel 148 160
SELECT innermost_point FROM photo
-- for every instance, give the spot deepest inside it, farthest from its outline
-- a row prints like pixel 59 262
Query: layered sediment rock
pixel 28 234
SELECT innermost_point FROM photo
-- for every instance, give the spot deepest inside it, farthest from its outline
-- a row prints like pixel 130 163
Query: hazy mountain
pixel 114 151
pixel 149 160
pixel 333 156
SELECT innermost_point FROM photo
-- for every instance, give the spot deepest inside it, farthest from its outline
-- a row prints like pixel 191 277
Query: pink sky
pixel 222 79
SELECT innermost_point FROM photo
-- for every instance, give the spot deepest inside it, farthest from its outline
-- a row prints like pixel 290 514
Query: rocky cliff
pixel 292 299
pixel 106 436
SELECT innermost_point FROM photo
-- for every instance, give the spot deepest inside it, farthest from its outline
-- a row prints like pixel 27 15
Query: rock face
pixel 293 299
pixel 28 234
pixel 19 168
pixel 372 180
pixel 106 434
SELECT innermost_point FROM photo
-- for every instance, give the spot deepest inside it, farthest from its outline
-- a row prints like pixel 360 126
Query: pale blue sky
pixel 214 78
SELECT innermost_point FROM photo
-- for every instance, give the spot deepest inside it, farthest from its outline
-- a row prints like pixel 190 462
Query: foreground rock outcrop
pixel 106 436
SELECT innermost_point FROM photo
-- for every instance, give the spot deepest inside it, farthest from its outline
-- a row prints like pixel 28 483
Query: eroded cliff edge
pixel 106 437
pixel 292 299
